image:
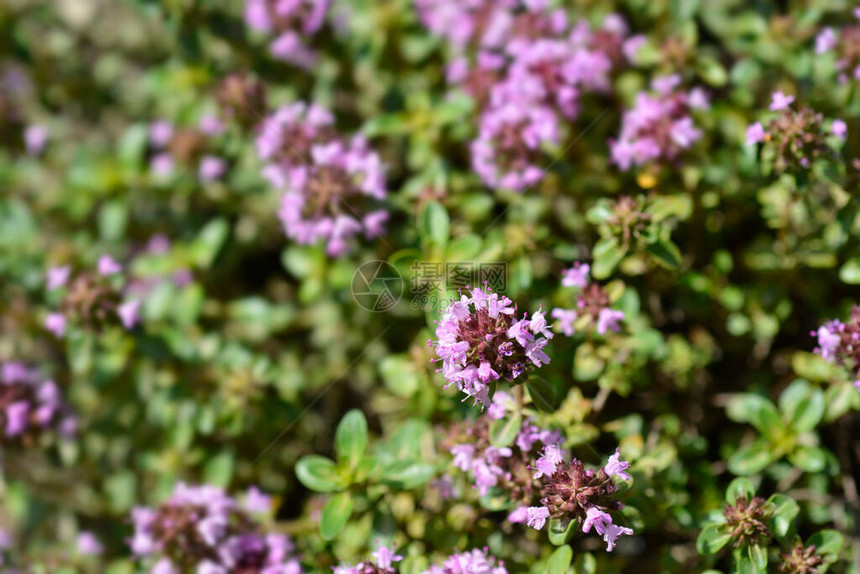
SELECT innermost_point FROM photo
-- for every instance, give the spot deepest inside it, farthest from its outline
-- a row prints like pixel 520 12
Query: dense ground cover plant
pixel 429 286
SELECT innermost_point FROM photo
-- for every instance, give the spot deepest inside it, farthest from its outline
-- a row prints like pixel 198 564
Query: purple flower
pixel 35 138
pixel 257 502
pixel 829 338
pixel 58 276
pixel 609 320
pixel 88 544
pixel 755 133
pixel 537 517
pixel 107 265
pixel 211 168
pixel 519 516
pixel 160 133
pixel 329 183
pixel 17 418
pixel 596 518
pixel 129 313
pixel 548 462
pixel 566 318
pixel 386 557
pixel 659 126
pixel 839 128
pixel 612 533
pixel 616 467
pixel 576 276
pixel 210 125
pixel 472 562
pixel 205 530
pixel 479 340
pixel 164 566
pixel 780 101
pixel 293 22
pixel 825 41
pixel 56 324
pixel 161 164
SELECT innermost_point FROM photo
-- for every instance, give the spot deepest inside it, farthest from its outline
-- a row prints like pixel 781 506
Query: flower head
pixel 574 492
pixel 330 184
pixel 202 527
pixel 659 126
pixel 480 340
pixel 780 101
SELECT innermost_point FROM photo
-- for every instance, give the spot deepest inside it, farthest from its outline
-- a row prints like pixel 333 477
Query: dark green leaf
pixel 712 538
pixel 827 541
pixel 350 439
pixel 751 458
pixel 504 431
pixel 318 473
pixel 560 560
pixel 433 225
pixel 335 515
pixel 740 487
pixel 561 531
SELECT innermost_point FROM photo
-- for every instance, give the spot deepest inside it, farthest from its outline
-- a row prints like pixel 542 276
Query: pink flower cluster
pixel 592 304
pixel 90 298
pixel 188 146
pixel 480 340
pixel 839 343
pixel 30 405
pixel 471 562
pixel 574 492
pixel 203 530
pixel 506 467
pixel 383 562
pixel 384 559
pixel 527 66
pixel 330 183
pixel 292 22
pixel 792 139
pixel 659 126
pixel 845 44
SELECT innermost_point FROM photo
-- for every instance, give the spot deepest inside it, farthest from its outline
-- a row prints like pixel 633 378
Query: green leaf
pixel 840 398
pixel 666 253
pixel 504 431
pixel 463 248
pixel 827 542
pixel 607 255
pixel 560 560
pixel 406 474
pixel 745 565
pixel 541 393
pixel 758 411
pixel 785 509
pixel 808 458
pixel 219 469
pixel 850 272
pixel 350 439
pixel 335 515
pixel 807 412
pixel 712 538
pixel 738 488
pixel 585 563
pixel 560 531
pixel 751 458
pixel 209 242
pixel 434 225
pixel 758 556
pixel 318 473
